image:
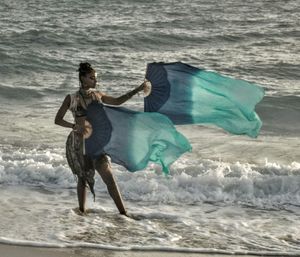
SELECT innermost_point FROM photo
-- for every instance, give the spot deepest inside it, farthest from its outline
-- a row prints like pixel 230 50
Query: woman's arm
pixel 59 118
pixel 122 99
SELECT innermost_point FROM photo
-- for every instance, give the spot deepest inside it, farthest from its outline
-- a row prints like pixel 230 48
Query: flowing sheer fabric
pixel 133 139
pixel 188 95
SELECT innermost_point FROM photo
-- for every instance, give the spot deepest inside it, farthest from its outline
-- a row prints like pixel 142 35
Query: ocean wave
pixel 37 37
pixel 33 167
pixel 220 182
pixel 12 93
pixel 280 114
pixel 202 181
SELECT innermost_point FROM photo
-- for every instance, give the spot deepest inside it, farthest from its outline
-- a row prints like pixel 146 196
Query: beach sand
pixel 28 251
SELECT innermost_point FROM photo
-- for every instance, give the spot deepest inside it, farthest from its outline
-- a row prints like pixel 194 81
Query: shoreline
pixel 10 250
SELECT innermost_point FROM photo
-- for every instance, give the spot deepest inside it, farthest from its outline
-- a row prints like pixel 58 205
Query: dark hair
pixel 84 68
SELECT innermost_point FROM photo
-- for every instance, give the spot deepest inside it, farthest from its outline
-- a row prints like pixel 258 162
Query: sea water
pixel 231 194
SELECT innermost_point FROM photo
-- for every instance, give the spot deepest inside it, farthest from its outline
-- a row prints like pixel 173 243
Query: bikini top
pixel 78 105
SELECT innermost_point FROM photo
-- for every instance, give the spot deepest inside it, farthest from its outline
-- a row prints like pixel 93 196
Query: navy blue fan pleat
pixel 96 115
pixel 160 87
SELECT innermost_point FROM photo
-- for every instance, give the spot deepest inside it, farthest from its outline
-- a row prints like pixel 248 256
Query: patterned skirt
pixel 81 165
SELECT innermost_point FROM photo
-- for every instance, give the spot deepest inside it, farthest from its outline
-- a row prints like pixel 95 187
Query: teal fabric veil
pixel 188 95
pixel 133 139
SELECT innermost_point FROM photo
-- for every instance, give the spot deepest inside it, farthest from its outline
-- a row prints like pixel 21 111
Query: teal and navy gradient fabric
pixel 133 139
pixel 188 95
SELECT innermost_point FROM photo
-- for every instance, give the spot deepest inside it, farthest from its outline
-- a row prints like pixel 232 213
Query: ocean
pixel 232 194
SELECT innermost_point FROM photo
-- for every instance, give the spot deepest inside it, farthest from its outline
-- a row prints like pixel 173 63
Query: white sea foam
pixel 10 241
pixel 203 206
pixel 31 166
pixel 141 248
pixel 189 182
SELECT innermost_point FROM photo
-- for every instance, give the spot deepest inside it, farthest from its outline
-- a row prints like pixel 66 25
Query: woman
pixel 82 165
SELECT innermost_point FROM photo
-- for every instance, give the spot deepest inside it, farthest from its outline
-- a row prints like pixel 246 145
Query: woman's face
pixel 89 80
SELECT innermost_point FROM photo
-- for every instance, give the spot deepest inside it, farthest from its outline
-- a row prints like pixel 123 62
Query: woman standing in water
pixel 82 165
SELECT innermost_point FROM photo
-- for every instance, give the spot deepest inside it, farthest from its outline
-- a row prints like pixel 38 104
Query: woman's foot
pixel 124 213
pixel 80 212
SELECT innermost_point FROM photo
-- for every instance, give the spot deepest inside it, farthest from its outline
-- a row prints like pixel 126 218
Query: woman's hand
pixel 79 129
pixel 84 130
pixel 95 95
pixel 145 87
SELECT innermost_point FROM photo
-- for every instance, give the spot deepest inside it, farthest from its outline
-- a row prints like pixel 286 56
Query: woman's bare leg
pixel 103 167
pixel 81 194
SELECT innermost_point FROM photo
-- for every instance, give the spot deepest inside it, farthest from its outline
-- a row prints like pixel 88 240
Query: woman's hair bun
pixel 84 68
